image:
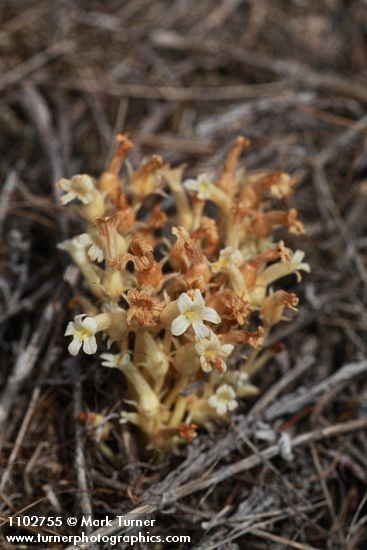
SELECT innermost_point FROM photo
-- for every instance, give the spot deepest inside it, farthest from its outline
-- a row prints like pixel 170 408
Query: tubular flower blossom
pixel 115 361
pixel 79 187
pixel 206 190
pixel 297 264
pixel 95 252
pixel 212 353
pixel 224 400
pixel 83 330
pixel 181 292
pixel 203 186
pixel 227 258
pixel 193 312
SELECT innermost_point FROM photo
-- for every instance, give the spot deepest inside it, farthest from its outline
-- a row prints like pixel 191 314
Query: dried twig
pixel 229 471
pixel 25 364
pixel 80 464
pixel 34 63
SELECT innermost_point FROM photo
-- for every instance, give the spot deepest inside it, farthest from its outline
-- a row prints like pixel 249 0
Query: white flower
pixel 79 187
pixel 223 400
pixel 228 257
pixel 83 332
pixel 296 263
pixel 282 187
pixel 290 262
pixel 95 252
pixel 203 186
pixel 212 352
pixel 126 417
pixel 193 312
pixel 115 360
pixel 75 249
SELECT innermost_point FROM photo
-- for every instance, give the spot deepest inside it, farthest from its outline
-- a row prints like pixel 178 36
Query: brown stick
pixel 227 472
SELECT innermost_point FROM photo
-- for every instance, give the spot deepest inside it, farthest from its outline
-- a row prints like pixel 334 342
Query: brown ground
pixel 185 77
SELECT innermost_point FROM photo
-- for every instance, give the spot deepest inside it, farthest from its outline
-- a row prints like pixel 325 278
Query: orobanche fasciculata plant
pixel 180 275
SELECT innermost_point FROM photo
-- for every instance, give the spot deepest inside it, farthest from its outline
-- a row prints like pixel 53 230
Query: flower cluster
pixel 182 301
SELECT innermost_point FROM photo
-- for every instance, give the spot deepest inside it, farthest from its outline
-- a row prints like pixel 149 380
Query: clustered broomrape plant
pixel 185 300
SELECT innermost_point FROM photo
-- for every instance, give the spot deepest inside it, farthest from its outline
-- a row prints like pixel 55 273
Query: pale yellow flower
pixel 115 361
pixel 83 332
pixel 212 353
pixel 202 185
pixel 94 251
pixel 206 190
pixel 223 400
pixel 79 187
pixel 228 257
pixel 297 264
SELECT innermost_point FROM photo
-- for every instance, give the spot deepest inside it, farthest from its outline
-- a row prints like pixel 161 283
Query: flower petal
pixel 84 181
pixel 204 178
pixel 221 408
pixel 191 185
pixel 84 239
pixel 222 365
pixel 209 314
pixel 95 253
pixel 74 346
pixel 79 318
pixel 227 349
pixel 201 331
pixel 214 340
pixel 68 197
pixel 64 184
pixel 198 299
pixel 179 325
pixel 90 345
pixel 70 329
pixel 226 389
pixel 90 324
pixel 86 198
pixel 213 401
pixel 205 365
pixel 110 357
pixel 108 364
pixel 201 346
pixel 298 257
pixel 184 302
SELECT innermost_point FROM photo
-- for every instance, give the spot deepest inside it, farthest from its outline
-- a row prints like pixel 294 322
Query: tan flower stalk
pixel 207 235
pixel 228 181
pixel 146 179
pixel 173 298
pixel 174 180
pixel 109 182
